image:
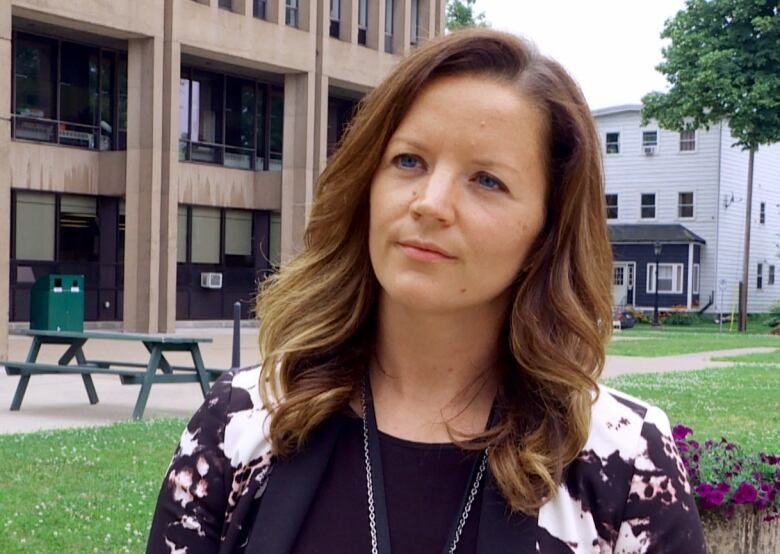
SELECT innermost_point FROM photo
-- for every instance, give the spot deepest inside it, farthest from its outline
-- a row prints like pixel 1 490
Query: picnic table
pixel 129 373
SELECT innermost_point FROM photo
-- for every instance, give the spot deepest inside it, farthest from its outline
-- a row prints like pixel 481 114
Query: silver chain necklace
pixel 370 487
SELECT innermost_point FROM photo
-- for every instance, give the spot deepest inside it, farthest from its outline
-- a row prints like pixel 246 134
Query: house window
pixel 69 93
pixel 226 4
pixel 230 121
pixel 362 21
pixel 771 277
pixel 259 7
pixel 205 235
pixel 759 276
pixel 78 230
pixel 335 18
pixel 612 206
pixel 613 143
pixel 762 213
pixel 647 206
pixel 685 205
pixel 291 13
pixel 649 138
pixel 687 141
pixel 238 238
pixel 182 235
pixel 275 240
pixel 696 278
pixel 670 278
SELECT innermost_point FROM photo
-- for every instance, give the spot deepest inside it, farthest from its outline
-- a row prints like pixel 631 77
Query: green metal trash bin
pixel 57 303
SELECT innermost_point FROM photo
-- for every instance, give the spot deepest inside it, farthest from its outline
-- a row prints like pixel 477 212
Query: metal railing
pixel 52 131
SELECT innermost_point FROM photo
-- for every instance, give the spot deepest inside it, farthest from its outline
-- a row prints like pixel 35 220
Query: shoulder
pixel 629 448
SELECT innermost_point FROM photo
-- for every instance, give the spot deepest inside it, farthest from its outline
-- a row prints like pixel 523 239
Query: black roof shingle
pixel 622 233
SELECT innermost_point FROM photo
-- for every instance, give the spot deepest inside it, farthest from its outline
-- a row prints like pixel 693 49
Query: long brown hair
pixel 317 312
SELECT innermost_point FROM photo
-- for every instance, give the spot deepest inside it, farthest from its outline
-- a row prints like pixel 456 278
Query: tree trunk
pixel 743 297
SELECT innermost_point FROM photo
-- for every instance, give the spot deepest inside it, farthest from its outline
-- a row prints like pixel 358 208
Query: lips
pixel 424 250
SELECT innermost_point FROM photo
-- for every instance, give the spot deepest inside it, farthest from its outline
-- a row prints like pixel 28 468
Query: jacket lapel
pixel 291 487
pixel 501 531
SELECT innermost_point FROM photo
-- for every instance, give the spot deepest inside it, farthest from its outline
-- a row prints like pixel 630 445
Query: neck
pixel 435 374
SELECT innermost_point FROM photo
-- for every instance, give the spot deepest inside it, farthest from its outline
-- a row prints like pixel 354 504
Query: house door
pixel 620 284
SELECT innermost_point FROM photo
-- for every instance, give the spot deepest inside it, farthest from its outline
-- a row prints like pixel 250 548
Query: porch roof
pixel 623 233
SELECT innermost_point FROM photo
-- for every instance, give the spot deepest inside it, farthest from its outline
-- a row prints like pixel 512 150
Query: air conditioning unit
pixel 211 280
pixel 649 150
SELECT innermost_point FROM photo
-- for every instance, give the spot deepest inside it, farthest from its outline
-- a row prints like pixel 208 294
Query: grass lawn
pixel 83 490
pixel 741 403
pixel 672 340
pixel 756 358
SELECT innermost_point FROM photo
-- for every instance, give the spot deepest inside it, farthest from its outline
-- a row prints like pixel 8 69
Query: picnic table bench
pixel 129 373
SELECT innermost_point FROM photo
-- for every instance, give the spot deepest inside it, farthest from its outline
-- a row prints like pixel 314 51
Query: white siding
pixel 713 172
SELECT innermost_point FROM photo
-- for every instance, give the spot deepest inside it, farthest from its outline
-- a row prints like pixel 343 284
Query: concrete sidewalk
pixel 58 401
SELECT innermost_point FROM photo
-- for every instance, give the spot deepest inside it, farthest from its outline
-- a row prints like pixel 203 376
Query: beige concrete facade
pixel 157 35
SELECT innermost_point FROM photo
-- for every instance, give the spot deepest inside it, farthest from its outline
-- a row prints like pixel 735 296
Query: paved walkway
pixel 57 401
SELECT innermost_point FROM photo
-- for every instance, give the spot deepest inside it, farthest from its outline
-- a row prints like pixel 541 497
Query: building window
pixel 275 240
pixel 340 112
pixel 649 139
pixel 362 21
pixel 182 235
pixel 335 18
pixel 389 25
pixel 78 229
pixel 291 13
pixel 612 206
pixel 670 278
pixel 226 4
pixel 230 121
pixel 415 24
pixel 258 9
pixel 771 277
pixel 613 143
pixel 647 206
pixel 762 213
pixel 238 238
pixel 696 278
pixel 34 226
pixel 80 103
pixel 687 141
pixel 685 205
pixel 759 276
pixel 215 236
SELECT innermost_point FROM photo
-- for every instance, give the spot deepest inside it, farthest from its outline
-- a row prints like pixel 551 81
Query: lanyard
pixel 378 483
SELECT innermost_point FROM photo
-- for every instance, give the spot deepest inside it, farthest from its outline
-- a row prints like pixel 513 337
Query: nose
pixel 436 197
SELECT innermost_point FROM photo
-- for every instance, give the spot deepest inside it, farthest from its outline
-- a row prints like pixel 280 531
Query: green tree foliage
pixel 460 14
pixel 723 63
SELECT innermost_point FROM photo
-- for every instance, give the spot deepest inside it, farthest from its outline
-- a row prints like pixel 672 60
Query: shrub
pixel 723 476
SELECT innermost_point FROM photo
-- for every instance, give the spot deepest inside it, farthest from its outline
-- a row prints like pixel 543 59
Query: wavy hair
pixel 317 313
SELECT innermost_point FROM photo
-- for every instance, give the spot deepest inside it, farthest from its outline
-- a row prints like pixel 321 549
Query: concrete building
pixel 688 191
pixel 162 147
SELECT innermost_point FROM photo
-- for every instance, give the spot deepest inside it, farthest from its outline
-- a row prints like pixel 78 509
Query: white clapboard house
pixel 687 191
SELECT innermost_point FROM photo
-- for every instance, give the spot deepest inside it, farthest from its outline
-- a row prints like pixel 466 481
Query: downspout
pixel 717 219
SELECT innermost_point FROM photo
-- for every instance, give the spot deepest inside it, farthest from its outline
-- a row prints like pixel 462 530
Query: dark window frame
pixel 759 275
pixel 683 206
pixel 612 209
pixel 771 276
pixel 762 213
pixel 292 13
pixel 57 122
pixel 647 206
pixel 222 236
pixel 265 88
pixel 362 22
pixel 612 146
pixel 260 9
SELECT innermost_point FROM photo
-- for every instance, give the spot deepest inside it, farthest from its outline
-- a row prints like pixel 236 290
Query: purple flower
pixel 680 432
pixel 716 498
pixel 746 493
pixel 709 443
pixel 694 444
pixel 704 489
pixel 723 487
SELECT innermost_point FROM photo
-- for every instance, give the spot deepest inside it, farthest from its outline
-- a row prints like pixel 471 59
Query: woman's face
pixel 458 197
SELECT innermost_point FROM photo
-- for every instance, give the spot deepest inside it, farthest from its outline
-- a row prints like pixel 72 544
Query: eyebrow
pixel 409 142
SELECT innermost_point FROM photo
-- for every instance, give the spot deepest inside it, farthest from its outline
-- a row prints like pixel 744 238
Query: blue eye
pixel 407 161
pixel 489 182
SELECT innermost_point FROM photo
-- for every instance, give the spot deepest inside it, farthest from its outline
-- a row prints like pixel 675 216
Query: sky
pixel 611 47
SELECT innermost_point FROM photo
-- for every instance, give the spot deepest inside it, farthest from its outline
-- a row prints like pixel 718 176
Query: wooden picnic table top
pixel 108 335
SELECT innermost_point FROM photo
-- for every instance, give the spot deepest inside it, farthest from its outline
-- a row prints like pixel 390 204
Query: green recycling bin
pixel 57 303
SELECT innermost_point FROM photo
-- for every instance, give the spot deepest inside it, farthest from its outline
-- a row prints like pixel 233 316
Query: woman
pixel 430 358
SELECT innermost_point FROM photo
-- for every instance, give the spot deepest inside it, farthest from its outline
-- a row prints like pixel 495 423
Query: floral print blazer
pixel 225 492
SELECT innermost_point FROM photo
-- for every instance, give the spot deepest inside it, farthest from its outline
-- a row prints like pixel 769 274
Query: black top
pixel 424 488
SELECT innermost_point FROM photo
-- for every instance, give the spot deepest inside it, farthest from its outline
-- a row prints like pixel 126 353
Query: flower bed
pixel 738 493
